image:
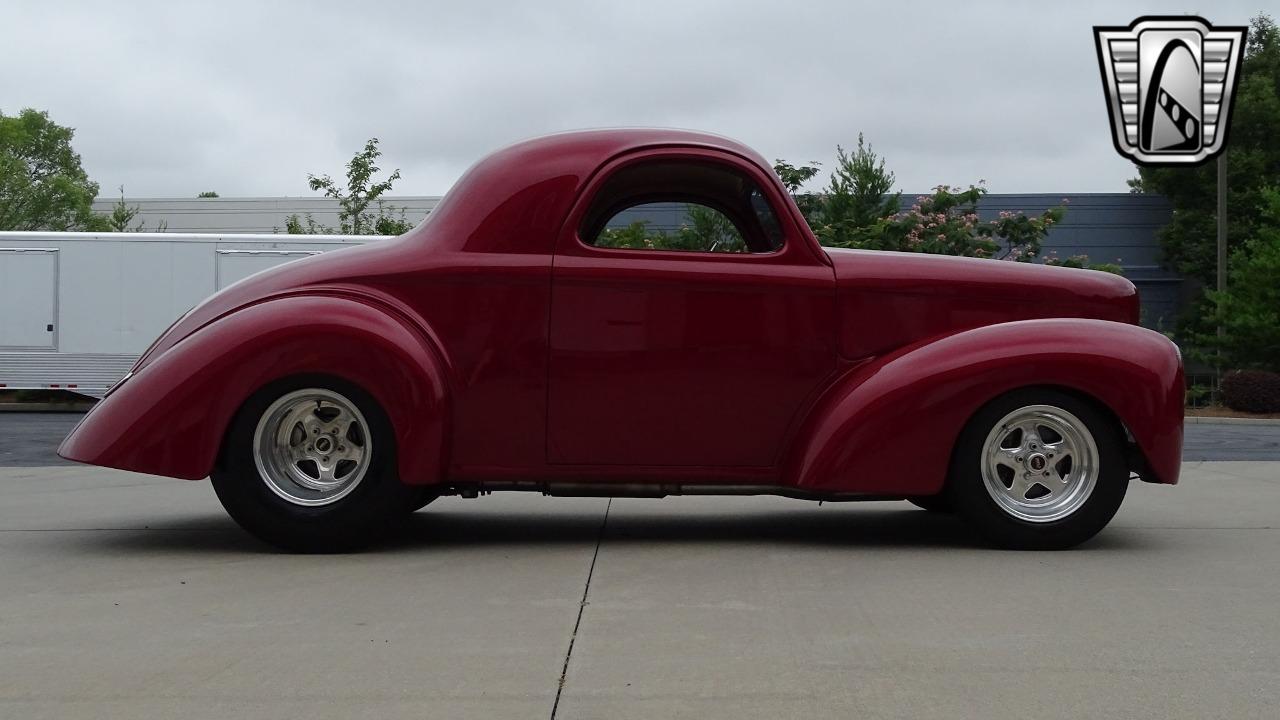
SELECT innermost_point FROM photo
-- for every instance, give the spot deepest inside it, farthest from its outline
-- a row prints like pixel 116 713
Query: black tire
pixel 968 489
pixel 347 524
pixel 424 497
pixel 940 503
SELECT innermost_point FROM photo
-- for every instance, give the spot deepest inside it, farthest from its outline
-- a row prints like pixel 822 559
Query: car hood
pixel 891 299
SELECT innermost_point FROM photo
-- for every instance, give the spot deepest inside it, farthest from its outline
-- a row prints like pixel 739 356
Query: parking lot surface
pixel 133 596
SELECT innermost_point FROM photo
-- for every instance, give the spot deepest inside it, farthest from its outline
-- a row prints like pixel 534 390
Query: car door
pixel 689 357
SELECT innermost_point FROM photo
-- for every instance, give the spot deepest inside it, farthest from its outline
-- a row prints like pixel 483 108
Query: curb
pixel 1199 420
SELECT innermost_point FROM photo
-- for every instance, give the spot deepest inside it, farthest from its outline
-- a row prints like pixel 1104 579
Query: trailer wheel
pixel 309 466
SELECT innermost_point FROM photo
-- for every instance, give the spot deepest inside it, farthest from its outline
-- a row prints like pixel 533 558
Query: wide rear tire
pixel 309 465
pixel 940 503
pixel 1039 469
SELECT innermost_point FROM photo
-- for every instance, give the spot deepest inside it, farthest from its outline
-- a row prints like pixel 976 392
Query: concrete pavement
pixel 124 595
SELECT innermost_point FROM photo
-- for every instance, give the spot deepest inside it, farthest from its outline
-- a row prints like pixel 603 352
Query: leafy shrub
pixel 1082 261
pixel 1256 391
pixel 1249 310
pixel 1198 394
pixel 704 230
pixel 857 210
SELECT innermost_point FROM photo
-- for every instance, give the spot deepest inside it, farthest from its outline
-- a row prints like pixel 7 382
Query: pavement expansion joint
pixel 582 604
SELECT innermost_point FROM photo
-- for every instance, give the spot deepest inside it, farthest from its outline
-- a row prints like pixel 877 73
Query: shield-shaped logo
pixel 1169 83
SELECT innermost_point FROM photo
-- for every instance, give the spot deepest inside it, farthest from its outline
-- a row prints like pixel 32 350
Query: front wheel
pixel 309 465
pixel 1039 469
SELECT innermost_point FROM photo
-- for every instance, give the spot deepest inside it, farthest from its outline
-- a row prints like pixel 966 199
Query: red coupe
pixel 646 313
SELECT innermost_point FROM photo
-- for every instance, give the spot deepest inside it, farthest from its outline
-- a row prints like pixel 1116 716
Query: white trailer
pixel 77 309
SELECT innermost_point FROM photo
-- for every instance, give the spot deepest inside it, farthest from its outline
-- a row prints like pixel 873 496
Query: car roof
pixel 513 199
pixel 608 142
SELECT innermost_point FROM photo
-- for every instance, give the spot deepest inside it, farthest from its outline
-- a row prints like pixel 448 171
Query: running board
pixel 651 490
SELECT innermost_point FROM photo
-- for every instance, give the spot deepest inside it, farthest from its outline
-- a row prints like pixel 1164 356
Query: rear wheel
pixel 1039 469
pixel 309 465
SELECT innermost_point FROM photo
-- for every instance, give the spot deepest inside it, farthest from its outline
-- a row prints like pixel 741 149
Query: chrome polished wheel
pixel 1040 463
pixel 312 447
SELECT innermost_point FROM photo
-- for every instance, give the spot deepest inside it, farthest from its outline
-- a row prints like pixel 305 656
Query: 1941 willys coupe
pixel 534 334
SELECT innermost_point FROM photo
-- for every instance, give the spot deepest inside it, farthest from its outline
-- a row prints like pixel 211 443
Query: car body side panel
pixel 692 359
pixel 889 425
pixel 889 300
pixel 170 418
pixel 448 328
pixel 489 313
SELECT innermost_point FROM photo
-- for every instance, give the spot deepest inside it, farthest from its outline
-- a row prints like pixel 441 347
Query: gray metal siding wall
pixel 1108 227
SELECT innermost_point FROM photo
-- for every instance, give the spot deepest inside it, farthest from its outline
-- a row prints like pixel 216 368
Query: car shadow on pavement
pixel 818 527
pixel 822 527
pixel 427 530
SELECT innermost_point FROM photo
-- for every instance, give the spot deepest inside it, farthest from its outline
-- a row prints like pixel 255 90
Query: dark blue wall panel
pixel 1108 227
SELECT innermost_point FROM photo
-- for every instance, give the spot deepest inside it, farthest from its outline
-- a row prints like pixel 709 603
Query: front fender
pixel 171 416
pixel 889 426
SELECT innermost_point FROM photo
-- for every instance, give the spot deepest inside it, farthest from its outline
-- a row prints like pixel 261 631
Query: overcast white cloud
pixel 172 98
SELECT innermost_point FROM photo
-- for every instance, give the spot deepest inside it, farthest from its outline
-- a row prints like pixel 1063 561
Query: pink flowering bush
pixel 856 210
pixel 947 223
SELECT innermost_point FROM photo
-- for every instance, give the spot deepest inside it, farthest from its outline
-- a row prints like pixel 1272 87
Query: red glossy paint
pixel 503 348
pixel 636 334
pixel 904 410
pixel 170 417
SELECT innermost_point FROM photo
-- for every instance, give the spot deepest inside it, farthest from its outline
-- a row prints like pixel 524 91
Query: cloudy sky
pixel 172 98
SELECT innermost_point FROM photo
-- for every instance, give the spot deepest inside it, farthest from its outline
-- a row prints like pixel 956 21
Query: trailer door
pixel 236 265
pixel 28 298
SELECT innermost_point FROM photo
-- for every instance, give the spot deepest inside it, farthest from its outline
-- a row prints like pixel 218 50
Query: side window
pixel 671 226
pixel 694 206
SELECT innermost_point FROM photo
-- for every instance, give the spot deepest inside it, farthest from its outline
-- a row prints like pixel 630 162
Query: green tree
pixel 793 179
pixel 704 230
pixel 858 209
pixel 1189 241
pixel 42 185
pixel 857 198
pixel 709 229
pixel 122 215
pixel 1249 310
pixel 207 194
pixel 360 208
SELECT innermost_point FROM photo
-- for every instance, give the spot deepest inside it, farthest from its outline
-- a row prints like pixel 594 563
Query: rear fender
pixel 170 418
pixel 889 427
